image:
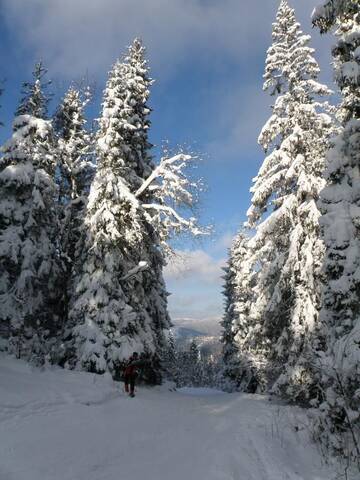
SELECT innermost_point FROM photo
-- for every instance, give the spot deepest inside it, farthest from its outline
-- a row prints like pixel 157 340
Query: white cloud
pixel 195 264
pixel 74 36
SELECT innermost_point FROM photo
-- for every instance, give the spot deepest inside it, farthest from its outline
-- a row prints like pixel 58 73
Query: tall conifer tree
pixel 29 229
pixel 340 203
pixel 74 172
pixel 35 98
pixel 287 247
pixel 120 303
pixel 237 293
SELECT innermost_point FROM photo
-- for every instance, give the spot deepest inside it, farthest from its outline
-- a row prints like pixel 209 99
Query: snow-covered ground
pixel 61 425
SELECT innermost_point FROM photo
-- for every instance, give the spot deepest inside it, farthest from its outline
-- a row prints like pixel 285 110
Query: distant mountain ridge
pixel 208 344
pixel 210 326
pixel 186 333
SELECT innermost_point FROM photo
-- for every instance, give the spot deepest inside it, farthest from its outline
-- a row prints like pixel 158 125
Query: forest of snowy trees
pixel 88 216
pixel 86 222
pixel 292 283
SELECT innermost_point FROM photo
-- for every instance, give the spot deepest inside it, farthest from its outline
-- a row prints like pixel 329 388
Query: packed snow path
pixel 60 425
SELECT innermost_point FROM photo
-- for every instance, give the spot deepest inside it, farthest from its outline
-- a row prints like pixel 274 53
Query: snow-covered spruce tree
pixel 195 370
pixel 340 202
pixel 120 302
pixel 35 98
pixel 29 263
pixel 169 359
pixel 288 250
pixel 75 171
pixel 236 296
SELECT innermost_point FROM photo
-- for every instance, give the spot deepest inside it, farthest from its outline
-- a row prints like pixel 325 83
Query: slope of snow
pixel 200 391
pixel 61 425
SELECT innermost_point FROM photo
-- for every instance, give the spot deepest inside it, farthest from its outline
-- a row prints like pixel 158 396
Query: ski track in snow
pixel 61 425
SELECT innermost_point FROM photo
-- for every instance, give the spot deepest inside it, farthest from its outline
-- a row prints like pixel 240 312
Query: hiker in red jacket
pixel 130 373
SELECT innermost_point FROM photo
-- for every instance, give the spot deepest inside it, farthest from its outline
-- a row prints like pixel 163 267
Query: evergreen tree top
pixel 136 55
pixel 123 135
pixel 35 100
pixel 30 142
pixel 69 117
pixel 285 25
pixel 289 59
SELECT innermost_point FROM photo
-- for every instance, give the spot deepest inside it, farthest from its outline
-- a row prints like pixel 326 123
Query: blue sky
pixel 207 57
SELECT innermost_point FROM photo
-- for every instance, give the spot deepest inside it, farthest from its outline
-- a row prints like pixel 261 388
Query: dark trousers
pixel 130 380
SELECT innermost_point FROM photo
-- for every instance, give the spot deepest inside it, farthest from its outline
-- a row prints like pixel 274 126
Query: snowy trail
pixel 59 425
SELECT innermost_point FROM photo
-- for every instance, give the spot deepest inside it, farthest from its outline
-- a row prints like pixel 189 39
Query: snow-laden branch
pixel 168 210
pixel 169 196
pixel 161 170
pixel 134 271
pixel 181 222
